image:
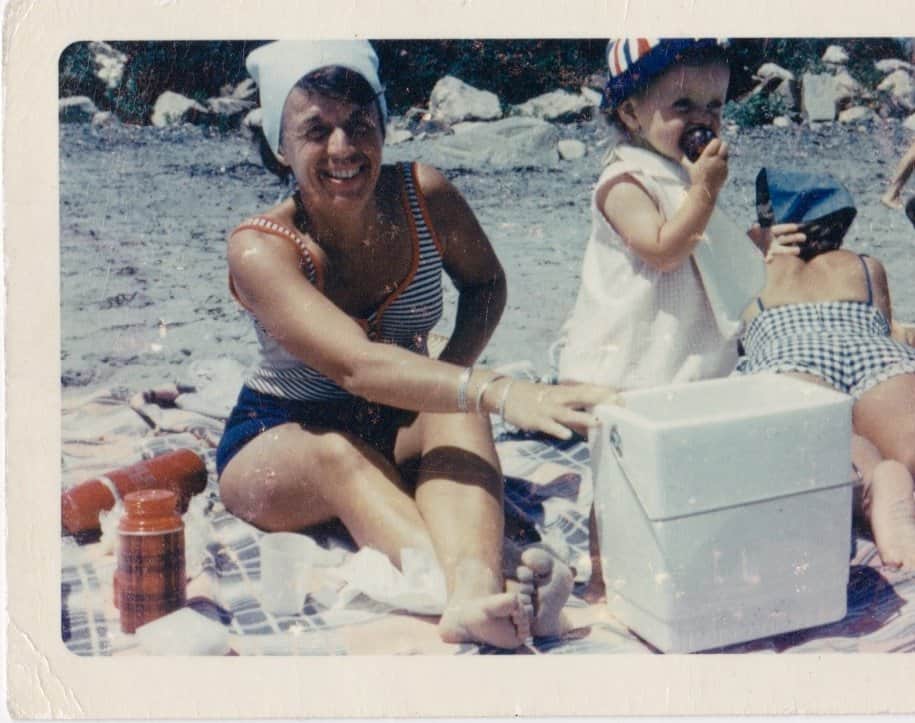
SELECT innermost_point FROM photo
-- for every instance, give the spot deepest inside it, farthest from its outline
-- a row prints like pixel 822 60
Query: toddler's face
pixel 682 98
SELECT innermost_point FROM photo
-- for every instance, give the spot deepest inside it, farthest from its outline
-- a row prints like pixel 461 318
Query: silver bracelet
pixel 483 387
pixel 505 398
pixel 463 383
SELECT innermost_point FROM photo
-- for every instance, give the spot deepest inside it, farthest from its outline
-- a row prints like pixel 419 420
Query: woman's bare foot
pixel 498 620
pixel 892 514
pixel 552 584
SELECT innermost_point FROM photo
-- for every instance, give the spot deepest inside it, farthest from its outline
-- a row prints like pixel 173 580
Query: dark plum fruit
pixel 694 141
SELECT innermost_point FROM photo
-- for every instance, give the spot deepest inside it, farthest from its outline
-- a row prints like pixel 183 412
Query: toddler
pixel 825 316
pixel 666 275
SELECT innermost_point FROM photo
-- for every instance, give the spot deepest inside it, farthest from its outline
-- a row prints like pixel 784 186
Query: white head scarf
pixel 277 67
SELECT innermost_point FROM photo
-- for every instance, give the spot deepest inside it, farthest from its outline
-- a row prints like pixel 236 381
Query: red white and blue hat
pixel 635 62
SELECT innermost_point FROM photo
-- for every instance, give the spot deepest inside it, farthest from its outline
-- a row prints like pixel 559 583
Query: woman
pixel 346 416
pixel 825 317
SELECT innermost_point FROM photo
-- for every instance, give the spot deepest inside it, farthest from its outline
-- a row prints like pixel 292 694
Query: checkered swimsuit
pixel 847 343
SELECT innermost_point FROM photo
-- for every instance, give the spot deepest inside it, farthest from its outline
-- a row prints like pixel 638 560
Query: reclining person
pixel 824 316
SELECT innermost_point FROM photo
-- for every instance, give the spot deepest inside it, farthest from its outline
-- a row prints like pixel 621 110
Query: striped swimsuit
pixel 281 388
pixel 845 343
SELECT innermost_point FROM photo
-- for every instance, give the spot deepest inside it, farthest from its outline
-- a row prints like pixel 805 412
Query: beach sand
pixel 144 214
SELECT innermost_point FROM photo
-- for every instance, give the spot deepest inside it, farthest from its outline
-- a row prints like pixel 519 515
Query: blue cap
pixel 823 206
pixel 801 197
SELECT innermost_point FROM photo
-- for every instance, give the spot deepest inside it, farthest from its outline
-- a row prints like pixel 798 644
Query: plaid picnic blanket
pixel 548 495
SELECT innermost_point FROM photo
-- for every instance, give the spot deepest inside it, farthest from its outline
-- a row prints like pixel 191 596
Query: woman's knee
pixel 337 457
pixel 253 494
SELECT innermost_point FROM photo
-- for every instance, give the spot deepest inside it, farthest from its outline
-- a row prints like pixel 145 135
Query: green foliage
pixel 516 70
pixel 757 110
pixel 194 69
pixel 864 52
pixel 76 72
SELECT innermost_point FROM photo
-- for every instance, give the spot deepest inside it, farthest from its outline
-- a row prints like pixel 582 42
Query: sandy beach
pixel 144 214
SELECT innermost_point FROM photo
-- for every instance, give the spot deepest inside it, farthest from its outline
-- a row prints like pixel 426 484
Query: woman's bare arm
pixel 267 279
pixel 470 262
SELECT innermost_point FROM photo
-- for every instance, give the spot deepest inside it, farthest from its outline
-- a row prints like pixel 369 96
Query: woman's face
pixel 333 148
pixel 682 98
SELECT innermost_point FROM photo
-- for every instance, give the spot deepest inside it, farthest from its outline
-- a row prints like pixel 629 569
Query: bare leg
pixel 288 478
pixel 891 197
pixel 885 416
pixel 892 514
pixel 459 495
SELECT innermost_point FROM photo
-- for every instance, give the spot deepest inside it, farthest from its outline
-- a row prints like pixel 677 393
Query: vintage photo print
pixel 545 359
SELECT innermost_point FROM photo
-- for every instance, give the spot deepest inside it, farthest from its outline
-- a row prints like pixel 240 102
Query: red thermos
pixel 150 580
pixel 182 471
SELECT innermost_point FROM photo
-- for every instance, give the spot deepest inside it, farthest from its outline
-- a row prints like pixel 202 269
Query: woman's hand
pixel 782 239
pixel 710 170
pixel 557 410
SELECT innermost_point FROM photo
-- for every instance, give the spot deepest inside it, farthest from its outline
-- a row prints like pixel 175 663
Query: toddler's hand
pixel 782 239
pixel 710 170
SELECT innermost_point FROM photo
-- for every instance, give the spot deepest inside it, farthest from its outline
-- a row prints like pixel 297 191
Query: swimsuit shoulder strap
pixel 262 224
pixel 418 209
pixel 760 304
pixel 867 278
pixel 268 226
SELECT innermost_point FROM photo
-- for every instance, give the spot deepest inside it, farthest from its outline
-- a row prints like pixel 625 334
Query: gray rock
pixel 819 96
pixel 909 122
pixel 104 119
pixel 109 63
pixel 173 108
pixel 594 97
pixel 453 101
pixel 782 121
pixel 420 123
pixel 245 90
pixel 571 149
pixel 510 143
pixel 848 88
pixel 558 106
pixel 773 70
pixel 900 86
pixel 856 114
pixel 76 109
pixel 890 64
pixel 230 110
pixel 835 55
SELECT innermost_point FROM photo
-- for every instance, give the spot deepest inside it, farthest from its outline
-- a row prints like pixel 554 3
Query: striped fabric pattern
pixel 406 321
pixel 623 52
pixel 633 63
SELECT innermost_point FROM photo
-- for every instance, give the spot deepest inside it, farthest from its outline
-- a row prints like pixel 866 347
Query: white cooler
pixel 724 509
